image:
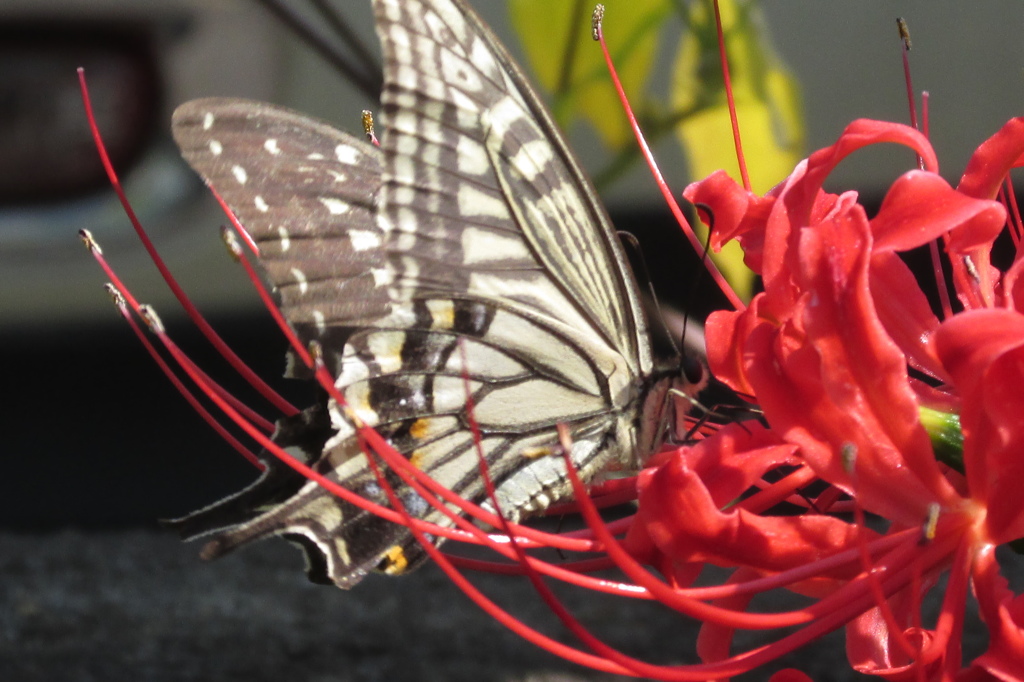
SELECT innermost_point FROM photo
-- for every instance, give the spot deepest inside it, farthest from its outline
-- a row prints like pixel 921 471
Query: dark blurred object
pixel 46 151
pixel 140 60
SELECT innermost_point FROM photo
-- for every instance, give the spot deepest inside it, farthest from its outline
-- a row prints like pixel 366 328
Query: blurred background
pixel 98 441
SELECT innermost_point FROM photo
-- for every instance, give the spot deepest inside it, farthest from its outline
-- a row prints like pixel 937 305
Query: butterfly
pixel 468 246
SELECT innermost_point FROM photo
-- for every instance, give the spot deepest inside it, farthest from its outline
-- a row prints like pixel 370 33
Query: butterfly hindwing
pixel 465 261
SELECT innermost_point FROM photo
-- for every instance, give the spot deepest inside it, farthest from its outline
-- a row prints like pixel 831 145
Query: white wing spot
pixel 239 174
pixel 500 117
pixel 363 240
pixel 346 153
pixel 335 206
pixel 358 398
pixel 404 241
pixel 407 145
pixel 338 175
pixel 486 246
pixel 208 119
pixel 284 238
pixel 261 204
pixel 482 58
pixel 382 277
pixel 473 202
pixel 472 157
pixel 387 350
pixel 315 156
pixel 460 74
pixel 318 320
pixel 300 279
pixel 442 314
pixel 216 147
pixel 271 146
pixel 394 12
pixel 532 158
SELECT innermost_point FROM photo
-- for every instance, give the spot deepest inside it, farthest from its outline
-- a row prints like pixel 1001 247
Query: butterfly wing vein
pixel 467 250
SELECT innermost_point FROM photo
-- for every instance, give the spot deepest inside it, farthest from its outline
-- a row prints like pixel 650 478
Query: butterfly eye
pixel 691 370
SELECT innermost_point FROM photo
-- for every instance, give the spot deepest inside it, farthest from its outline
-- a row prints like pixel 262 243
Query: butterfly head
pixel 668 398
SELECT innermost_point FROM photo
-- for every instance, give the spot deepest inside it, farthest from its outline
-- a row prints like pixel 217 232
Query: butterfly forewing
pixel 476 171
pixel 465 261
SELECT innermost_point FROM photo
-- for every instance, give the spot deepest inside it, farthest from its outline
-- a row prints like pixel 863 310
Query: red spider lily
pixel 846 359
pixel 850 367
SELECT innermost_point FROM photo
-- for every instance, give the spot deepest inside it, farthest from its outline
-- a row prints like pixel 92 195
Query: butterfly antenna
pixel 360 68
pixel 702 270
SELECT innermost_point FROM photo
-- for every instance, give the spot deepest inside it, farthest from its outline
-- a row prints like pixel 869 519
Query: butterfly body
pixel 465 261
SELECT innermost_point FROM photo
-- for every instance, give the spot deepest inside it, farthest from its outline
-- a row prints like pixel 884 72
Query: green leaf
pixel 768 108
pixel 767 97
pixel 558 46
pixel 556 37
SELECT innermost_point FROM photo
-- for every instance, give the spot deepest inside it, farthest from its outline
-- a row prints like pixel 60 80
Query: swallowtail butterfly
pixel 473 222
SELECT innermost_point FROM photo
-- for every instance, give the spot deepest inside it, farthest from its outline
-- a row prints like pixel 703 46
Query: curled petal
pixel 1003 612
pixel 726 332
pixel 738 214
pixel 973 273
pixel 858 134
pixel 904 311
pixel 678 515
pixel 736 458
pixel 801 201
pixel 920 207
pixel 871 648
pixel 983 351
pixel 846 388
pixel 1013 287
pixel 992 160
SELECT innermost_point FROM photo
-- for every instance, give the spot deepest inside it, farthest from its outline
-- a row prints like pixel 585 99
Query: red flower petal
pixel 726 332
pixel 680 515
pixel 738 214
pixel 858 134
pixel 1003 612
pixel 904 311
pixel 871 648
pixel 983 350
pixel 992 160
pixel 846 385
pixel 921 207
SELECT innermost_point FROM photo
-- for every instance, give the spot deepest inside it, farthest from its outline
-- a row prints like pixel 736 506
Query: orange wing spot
pixel 394 561
pixel 442 314
pixel 416 459
pixel 540 451
pixel 420 429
